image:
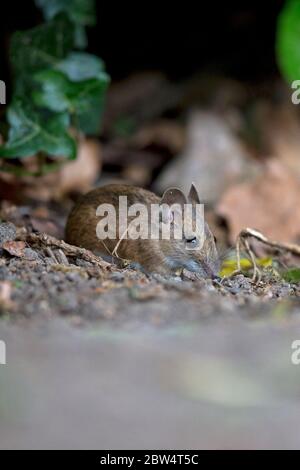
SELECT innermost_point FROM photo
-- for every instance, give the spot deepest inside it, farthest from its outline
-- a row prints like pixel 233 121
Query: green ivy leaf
pixel 84 99
pixel 82 66
pixel 288 40
pixel 70 84
pixel 80 38
pixel 81 12
pixel 292 275
pixel 56 92
pixel 41 47
pixel 90 116
pixel 31 132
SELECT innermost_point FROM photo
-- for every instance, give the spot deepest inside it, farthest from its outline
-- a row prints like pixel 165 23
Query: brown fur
pixel 162 256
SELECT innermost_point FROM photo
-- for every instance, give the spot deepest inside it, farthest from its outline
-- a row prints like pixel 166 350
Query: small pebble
pixel 7 232
pixel 117 276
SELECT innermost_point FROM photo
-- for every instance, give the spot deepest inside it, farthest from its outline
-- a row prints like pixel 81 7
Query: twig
pixel 256 271
pixel 291 247
pixel 61 257
pixel 68 250
pixel 242 240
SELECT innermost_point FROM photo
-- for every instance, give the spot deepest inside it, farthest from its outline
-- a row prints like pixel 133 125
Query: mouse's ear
pixel 171 196
pixel 193 196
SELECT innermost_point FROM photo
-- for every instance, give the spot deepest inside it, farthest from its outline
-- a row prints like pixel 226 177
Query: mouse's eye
pixel 191 241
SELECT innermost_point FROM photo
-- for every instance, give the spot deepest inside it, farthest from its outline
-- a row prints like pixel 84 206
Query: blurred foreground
pixel 226 386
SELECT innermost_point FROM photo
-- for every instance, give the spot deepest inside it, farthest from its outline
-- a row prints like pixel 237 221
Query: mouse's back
pixel 81 228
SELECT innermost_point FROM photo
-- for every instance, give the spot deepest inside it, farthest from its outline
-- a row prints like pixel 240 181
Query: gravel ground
pixel 43 283
pixel 42 288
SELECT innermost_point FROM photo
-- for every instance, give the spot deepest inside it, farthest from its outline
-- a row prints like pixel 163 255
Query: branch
pixel 242 241
pixel 69 250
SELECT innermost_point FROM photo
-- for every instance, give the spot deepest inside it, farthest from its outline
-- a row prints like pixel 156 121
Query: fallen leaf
pixel 73 176
pixel 269 204
pixel 280 127
pixel 213 159
pixel 14 248
pixel 229 266
pixel 80 174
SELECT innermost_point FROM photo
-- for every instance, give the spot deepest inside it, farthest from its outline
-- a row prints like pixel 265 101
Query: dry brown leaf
pixel 14 248
pixel 76 176
pixel 269 204
pixel 82 173
pixel 213 159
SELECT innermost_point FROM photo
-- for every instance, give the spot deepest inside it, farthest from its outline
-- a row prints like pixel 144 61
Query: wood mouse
pixel 163 256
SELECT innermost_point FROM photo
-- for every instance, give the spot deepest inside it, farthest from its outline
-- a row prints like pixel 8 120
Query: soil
pixel 45 284
pixel 181 363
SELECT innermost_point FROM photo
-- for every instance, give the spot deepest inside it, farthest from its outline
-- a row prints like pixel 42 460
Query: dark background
pixel 235 38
